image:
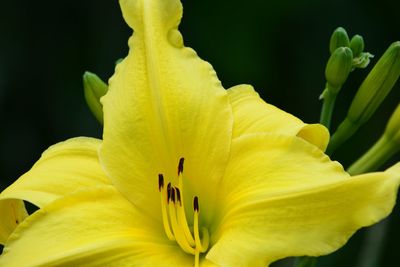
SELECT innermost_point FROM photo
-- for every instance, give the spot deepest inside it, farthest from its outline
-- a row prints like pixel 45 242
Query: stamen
pixel 200 246
pixel 168 193
pixel 196 231
pixel 174 218
pixel 180 210
pixel 179 235
pixel 196 204
pixel 165 218
pixel 172 194
pixel 196 224
pixel 178 195
pixel 204 246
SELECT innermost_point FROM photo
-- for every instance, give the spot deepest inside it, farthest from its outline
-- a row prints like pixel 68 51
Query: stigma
pixel 175 222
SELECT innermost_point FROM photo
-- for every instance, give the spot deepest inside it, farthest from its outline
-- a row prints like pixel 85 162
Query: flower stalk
pixel 337 70
pixel 370 95
pixel 386 146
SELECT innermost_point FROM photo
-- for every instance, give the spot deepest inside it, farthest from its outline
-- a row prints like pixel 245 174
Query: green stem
pixel 346 129
pixel 305 262
pixel 375 157
pixel 327 107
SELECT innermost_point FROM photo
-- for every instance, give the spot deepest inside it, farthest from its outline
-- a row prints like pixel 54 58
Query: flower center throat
pixel 174 218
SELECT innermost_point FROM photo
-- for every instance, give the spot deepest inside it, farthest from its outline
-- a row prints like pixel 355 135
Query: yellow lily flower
pixel 187 173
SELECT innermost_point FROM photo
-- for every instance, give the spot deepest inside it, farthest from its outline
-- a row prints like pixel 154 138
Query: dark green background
pixel 280 47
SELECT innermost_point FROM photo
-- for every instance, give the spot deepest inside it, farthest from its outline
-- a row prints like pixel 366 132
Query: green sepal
pixel 94 89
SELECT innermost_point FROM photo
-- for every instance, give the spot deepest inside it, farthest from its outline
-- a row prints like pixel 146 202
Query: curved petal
pixel 93 227
pixel 283 197
pixel 12 213
pixel 63 168
pixel 163 103
pixel 252 115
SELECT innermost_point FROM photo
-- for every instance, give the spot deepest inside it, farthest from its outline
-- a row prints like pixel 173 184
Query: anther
pixel 196 204
pixel 174 218
pixel 172 194
pixel 164 204
pixel 160 182
pixel 178 195
pixel 169 192
pixel 180 165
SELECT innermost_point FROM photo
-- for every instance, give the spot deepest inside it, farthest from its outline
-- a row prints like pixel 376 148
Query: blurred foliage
pixel 280 47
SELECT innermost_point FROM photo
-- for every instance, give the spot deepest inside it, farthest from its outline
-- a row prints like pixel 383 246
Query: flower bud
pixel 338 68
pixel 392 131
pixel 369 96
pixel 94 89
pixel 357 45
pixel 339 38
pixel 383 149
pixel 376 86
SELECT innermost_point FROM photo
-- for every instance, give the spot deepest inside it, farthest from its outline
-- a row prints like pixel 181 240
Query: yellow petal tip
pixel 316 134
pixel 160 14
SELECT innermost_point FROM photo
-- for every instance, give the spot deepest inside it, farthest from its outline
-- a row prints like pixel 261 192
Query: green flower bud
pixel 338 68
pixel 376 86
pixel 369 96
pixel 339 38
pixel 392 131
pixel 357 45
pixel 383 149
pixel 94 89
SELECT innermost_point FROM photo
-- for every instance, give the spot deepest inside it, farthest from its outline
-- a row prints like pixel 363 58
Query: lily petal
pixel 252 115
pixel 292 200
pixel 93 227
pixel 12 213
pixel 62 169
pixel 163 103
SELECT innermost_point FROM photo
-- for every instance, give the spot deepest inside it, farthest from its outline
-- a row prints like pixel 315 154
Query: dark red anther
pixel 173 194
pixel 180 165
pixel 196 204
pixel 160 182
pixel 178 195
pixel 169 192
